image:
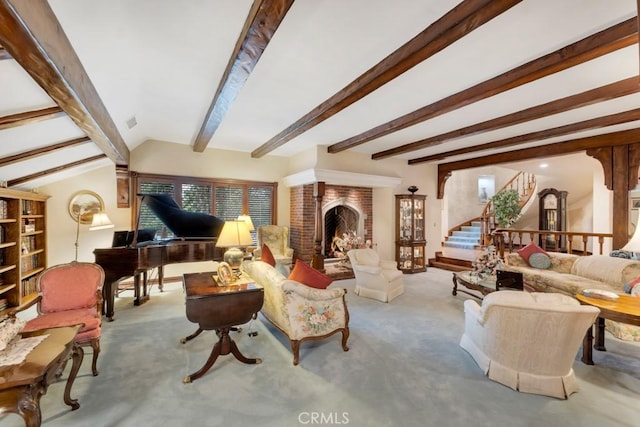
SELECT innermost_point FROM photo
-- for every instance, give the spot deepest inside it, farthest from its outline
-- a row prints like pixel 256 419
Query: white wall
pixel 61 227
pixel 176 159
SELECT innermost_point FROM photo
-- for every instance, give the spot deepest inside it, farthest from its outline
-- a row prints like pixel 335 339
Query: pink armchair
pixel 70 294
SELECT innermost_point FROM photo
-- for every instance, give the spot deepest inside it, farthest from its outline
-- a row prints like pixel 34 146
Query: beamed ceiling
pixel 84 82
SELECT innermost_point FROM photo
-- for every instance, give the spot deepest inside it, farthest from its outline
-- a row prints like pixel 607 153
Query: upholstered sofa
pixel 300 312
pixel 569 274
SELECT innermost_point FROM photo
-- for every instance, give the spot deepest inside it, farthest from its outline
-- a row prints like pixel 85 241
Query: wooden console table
pixel 21 386
pixel 219 308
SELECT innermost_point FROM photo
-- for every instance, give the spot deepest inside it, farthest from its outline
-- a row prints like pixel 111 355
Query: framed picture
pixel 84 204
pixel 486 188
pixel 225 275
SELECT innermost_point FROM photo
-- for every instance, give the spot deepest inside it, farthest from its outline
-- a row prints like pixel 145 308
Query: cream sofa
pixel 569 274
pixel 300 312
pixel 527 341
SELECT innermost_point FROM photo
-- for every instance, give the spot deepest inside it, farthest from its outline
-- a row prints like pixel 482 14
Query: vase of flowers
pixel 340 245
pixel 488 263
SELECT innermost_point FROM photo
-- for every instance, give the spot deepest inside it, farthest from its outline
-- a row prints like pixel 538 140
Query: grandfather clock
pixel 553 217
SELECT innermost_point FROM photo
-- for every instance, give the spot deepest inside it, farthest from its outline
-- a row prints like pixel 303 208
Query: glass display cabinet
pixel 410 233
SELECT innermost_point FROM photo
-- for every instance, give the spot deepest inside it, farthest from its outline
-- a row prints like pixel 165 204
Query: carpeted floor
pixel 404 368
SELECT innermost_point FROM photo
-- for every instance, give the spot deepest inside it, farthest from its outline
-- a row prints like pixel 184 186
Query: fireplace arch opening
pixel 339 218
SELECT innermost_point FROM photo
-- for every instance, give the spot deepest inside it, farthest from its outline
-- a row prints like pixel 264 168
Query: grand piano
pixel 196 235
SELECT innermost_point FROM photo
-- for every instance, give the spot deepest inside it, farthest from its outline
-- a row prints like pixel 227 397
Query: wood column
pixel 123 186
pixel 620 165
pixel 317 261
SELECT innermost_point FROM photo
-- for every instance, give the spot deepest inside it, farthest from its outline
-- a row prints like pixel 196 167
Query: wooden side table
pixel 219 308
pixel 21 386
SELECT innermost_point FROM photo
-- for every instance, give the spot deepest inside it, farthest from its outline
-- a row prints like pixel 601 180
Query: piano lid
pixel 183 224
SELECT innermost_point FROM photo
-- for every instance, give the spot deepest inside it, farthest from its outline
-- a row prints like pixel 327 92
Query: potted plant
pixel 506 207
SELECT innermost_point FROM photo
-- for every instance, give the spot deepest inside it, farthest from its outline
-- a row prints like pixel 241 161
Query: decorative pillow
pixel 633 285
pixel 531 248
pixel 9 329
pixel 539 260
pixel 267 256
pixel 307 275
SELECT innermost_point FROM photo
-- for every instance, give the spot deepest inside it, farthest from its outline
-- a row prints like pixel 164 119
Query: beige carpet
pixel 404 368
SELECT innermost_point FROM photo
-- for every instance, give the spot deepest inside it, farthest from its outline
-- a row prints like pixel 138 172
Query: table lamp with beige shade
pixel 234 235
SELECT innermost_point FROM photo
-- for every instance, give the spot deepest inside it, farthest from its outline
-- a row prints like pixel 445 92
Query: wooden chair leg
pixel 295 347
pixel 95 345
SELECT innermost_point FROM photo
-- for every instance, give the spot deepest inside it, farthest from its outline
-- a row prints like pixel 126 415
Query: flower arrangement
pixel 488 264
pixel 349 240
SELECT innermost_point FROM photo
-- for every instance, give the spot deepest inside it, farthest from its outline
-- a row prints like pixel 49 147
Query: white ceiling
pixel 161 61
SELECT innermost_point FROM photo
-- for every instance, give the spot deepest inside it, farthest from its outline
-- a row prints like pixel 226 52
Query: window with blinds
pixel 223 198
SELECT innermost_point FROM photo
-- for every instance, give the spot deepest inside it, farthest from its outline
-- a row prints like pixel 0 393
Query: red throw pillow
pixel 307 275
pixel 267 256
pixel 529 250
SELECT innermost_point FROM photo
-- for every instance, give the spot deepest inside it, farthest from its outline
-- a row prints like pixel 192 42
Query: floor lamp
pixel 100 221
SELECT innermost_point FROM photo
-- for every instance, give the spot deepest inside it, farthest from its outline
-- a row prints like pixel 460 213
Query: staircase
pixel 467 237
pixel 466 241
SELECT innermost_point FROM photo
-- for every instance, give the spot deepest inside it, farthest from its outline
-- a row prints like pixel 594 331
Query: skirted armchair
pixel 277 238
pixel 375 278
pixel 527 341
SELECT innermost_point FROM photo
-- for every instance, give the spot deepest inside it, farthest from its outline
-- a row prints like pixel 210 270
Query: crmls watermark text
pixel 323 418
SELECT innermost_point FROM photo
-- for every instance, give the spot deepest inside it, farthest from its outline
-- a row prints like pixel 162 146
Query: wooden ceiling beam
pixel 606 41
pixel 4 54
pixel 261 24
pixel 31 154
pixel 455 24
pixel 611 139
pixel 27 178
pixel 31 33
pixel 595 123
pixel 589 97
pixel 29 117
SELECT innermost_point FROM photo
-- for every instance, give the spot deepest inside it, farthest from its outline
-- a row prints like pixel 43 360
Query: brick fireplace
pixel 344 208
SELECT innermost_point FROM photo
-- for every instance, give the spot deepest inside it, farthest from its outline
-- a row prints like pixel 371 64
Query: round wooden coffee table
pixel 626 309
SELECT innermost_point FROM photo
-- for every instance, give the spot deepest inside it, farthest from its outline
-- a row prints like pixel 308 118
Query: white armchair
pixel 277 238
pixel 527 341
pixel 375 278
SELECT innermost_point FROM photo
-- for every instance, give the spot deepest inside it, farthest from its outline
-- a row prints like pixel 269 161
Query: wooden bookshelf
pixel 23 252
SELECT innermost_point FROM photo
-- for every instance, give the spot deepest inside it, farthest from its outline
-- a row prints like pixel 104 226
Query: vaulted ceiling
pixel 84 82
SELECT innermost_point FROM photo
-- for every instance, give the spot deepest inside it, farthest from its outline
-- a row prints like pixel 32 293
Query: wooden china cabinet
pixel 410 233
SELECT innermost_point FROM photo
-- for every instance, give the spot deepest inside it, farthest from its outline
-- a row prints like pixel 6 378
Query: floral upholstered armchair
pixel 299 311
pixel 276 237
